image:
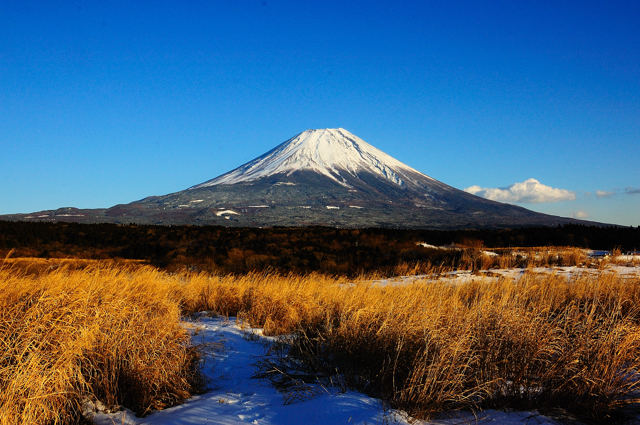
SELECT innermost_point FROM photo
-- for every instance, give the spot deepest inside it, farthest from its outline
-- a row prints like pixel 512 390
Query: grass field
pixel 111 332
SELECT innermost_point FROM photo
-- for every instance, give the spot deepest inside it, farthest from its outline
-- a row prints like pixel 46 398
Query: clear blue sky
pixel 108 102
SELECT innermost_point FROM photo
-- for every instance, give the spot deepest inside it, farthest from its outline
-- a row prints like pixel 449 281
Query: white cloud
pixel 604 194
pixel 530 192
pixel 579 214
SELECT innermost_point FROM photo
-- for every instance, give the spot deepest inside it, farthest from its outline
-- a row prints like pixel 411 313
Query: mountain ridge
pixel 325 177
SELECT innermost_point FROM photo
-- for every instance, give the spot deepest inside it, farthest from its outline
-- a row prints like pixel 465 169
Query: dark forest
pixel 287 250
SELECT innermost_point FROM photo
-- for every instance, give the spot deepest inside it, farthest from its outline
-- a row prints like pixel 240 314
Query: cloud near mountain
pixel 604 194
pixel 579 214
pixel 530 191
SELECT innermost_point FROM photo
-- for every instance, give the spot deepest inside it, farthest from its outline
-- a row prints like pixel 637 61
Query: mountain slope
pixel 319 177
pixel 333 153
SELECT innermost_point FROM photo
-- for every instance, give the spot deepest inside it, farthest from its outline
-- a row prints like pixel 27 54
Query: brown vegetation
pixel 541 342
pixel 113 334
pixel 104 334
pixel 349 252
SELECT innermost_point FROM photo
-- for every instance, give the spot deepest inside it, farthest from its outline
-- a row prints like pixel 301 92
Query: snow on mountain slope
pixel 334 153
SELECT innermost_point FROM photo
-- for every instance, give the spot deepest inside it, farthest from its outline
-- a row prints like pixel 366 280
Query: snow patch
pixel 628 257
pixel 236 398
pixel 447 247
pixel 226 212
pixel 332 207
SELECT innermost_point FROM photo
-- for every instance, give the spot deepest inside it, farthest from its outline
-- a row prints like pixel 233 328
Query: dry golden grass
pixel 97 333
pixel 114 335
pixel 36 265
pixel 473 259
pixel 541 342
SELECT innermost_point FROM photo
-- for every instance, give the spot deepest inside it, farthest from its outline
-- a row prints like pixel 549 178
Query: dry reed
pixel 97 334
pixel 539 342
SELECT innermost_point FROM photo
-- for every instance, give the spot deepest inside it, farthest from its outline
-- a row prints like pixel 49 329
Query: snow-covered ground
pixel 237 398
pixel 464 276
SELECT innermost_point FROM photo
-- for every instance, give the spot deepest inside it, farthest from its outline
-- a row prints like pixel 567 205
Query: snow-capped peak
pixel 332 152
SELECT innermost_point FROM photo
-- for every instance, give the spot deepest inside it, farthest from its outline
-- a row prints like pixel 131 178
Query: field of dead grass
pixel 113 334
pixel 99 333
pixel 541 342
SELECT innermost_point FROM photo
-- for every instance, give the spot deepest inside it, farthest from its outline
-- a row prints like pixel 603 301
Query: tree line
pixel 287 250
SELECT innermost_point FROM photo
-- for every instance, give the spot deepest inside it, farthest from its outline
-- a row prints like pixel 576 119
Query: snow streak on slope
pixel 334 153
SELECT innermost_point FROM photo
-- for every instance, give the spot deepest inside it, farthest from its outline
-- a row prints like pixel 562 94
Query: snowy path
pixel 238 399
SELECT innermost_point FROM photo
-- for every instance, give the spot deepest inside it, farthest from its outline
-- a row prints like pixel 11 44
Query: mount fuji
pixel 333 153
pixel 326 177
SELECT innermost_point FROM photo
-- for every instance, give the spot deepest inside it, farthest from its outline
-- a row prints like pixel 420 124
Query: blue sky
pixel 104 103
